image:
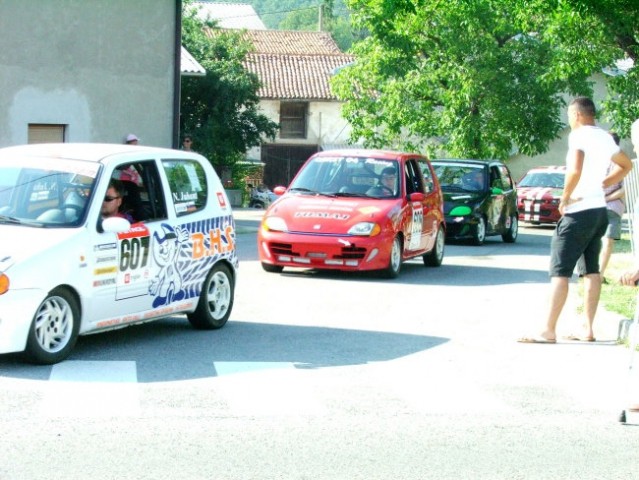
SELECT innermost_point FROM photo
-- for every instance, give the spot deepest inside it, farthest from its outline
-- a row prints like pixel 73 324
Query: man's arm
pixel 629 278
pixel 574 165
pixel 623 165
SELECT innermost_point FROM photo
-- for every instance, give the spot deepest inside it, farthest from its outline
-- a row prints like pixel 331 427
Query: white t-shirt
pixel 598 147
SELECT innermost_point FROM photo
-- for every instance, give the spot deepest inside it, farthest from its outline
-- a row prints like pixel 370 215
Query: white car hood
pixel 18 243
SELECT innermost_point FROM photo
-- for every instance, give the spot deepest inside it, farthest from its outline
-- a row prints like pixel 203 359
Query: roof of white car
pixel 88 151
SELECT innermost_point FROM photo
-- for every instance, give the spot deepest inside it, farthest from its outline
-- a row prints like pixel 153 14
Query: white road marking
pixel 92 388
pixel 266 388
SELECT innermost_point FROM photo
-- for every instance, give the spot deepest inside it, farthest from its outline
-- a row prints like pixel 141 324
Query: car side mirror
pixel 115 225
pixel 416 197
pixel 279 190
pixel 496 191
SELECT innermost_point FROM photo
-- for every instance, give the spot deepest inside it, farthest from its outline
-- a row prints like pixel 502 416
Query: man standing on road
pixel 584 218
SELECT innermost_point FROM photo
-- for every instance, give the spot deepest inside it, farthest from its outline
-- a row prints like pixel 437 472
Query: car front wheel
pixel 479 233
pixel 511 234
pixel 216 300
pixel 435 257
pixel 54 329
pixel 395 260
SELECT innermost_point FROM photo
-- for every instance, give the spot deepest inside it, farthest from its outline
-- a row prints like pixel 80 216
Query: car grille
pixel 282 249
pixel 347 253
pixel 352 252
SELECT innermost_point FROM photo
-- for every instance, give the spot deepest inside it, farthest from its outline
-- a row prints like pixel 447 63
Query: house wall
pixel 103 68
pixel 556 154
pixel 325 125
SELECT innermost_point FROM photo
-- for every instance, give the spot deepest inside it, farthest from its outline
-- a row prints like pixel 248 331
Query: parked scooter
pixel 261 197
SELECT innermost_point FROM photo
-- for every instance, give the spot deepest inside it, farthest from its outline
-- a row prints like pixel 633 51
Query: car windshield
pixel 45 192
pixel 543 179
pixel 348 176
pixel 465 177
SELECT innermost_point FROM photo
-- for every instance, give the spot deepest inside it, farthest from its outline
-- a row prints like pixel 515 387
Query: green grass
pixel 615 297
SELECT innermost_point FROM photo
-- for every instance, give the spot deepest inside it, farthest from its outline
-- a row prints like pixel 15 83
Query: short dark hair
pixel 389 171
pixel 118 186
pixel 585 106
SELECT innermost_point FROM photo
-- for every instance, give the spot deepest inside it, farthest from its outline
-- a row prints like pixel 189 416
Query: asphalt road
pixel 336 376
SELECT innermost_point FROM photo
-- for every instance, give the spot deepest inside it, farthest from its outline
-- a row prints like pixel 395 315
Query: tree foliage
pixel 221 109
pixel 483 78
pixel 595 34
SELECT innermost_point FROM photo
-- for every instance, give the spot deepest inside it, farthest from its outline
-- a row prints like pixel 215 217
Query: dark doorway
pixel 282 162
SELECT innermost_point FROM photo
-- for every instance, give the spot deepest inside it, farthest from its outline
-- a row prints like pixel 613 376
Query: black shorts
pixel 578 234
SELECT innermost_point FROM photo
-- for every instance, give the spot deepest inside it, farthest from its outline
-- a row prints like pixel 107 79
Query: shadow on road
pixel 171 350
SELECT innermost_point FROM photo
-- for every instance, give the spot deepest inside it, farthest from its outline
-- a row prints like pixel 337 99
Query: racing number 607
pixel 134 253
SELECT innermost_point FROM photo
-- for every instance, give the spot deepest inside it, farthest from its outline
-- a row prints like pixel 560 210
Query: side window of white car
pixel 188 185
pixel 143 200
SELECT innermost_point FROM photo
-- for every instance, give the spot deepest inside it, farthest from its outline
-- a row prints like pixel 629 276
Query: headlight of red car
pixel 274 224
pixel 365 229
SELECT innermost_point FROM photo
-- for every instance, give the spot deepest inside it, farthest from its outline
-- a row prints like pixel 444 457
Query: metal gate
pixel 282 162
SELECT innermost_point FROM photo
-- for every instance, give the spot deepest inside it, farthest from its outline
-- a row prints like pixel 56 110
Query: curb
pixel 626 330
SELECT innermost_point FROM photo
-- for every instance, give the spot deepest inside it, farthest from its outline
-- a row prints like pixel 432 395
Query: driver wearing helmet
pixel 387 183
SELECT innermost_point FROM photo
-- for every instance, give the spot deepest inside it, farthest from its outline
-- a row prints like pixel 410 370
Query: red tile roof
pixel 289 42
pixel 301 77
pixel 293 65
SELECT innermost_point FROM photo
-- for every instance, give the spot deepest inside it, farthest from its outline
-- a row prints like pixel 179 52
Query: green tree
pixel 335 20
pixel 479 79
pixel 221 109
pixel 596 34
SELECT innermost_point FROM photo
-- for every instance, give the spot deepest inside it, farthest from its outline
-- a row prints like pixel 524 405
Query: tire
pixel 216 300
pixel 479 232
pixel 395 260
pixel 511 234
pixel 435 257
pixel 272 268
pixel 54 329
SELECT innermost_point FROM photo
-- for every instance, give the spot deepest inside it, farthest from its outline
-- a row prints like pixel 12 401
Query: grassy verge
pixel 615 297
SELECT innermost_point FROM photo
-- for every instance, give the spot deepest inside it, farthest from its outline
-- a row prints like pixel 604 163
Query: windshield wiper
pixel 18 221
pixel 302 190
pixel 349 194
pixel 8 219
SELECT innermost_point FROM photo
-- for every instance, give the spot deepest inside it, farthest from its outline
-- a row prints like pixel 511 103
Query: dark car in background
pixel 480 199
pixel 538 194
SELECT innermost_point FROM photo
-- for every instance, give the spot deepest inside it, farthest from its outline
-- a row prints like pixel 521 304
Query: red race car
pixel 355 210
pixel 538 194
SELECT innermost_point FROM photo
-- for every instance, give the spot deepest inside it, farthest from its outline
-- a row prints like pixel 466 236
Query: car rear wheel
pixel 216 300
pixel 479 233
pixel 511 234
pixel 54 329
pixel 395 260
pixel 435 257
pixel 272 268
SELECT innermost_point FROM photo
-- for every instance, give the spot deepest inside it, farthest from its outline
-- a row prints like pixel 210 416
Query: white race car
pixel 66 271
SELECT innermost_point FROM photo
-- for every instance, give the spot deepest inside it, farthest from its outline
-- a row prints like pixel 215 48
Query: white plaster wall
pixel 556 154
pixel 104 68
pixel 325 124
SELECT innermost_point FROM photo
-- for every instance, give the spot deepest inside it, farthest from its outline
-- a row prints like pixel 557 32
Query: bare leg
pixel 592 291
pixel 558 296
pixel 604 256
